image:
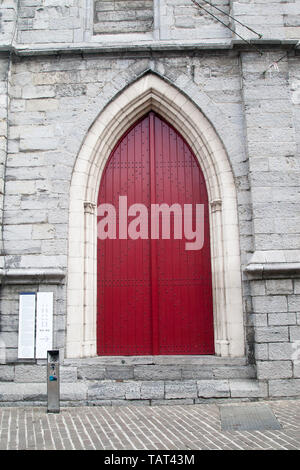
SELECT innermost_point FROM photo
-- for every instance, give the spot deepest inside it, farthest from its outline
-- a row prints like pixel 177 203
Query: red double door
pixel 154 296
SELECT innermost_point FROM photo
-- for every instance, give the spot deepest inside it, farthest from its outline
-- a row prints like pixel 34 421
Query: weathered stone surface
pixel 197 372
pixel 269 304
pixel 274 369
pixel 294 333
pixel 296 368
pixel 271 334
pixel 119 17
pixel 152 390
pixel 153 372
pixel 284 388
pixel 247 388
pixel 133 390
pixel 281 351
pixel 234 372
pixel 279 286
pixel 213 388
pixel 11 392
pixel 174 402
pixel 68 374
pixel 282 319
pixel 122 372
pixel 73 391
pixel 261 351
pixel 30 373
pixel 294 303
pixel 92 372
pixel 7 373
pixel 107 390
pixel 184 389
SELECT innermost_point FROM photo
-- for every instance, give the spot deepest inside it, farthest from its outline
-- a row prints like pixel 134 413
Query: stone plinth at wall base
pixel 152 380
pixel 152 393
pixel 30 387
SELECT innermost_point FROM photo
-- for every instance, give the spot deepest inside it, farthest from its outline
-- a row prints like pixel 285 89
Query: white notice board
pixel 26 325
pixel 44 324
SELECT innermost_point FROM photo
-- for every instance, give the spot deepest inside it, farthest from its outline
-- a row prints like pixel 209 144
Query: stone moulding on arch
pixel 151 92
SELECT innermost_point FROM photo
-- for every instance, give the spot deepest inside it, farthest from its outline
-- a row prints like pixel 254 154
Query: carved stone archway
pixel 151 92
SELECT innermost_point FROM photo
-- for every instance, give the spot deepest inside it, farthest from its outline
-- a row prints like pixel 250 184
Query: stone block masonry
pixel 102 381
pixel 277 348
pixel 121 16
pixel 283 23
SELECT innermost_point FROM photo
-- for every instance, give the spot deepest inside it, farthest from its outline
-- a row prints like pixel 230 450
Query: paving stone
pixel 181 426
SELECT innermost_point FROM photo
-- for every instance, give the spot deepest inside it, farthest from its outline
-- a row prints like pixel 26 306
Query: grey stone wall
pixel 9 319
pixel 271 18
pixel 48 103
pixel 85 21
pixel 76 21
pixel 272 148
pixel 4 104
pixel 53 103
pixel 54 100
pixel 8 16
pixel 276 304
pixel 271 111
pixel 122 16
pixel 181 19
pixel 50 21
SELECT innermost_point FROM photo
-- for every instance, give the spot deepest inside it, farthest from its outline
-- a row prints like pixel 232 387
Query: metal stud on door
pixel 154 296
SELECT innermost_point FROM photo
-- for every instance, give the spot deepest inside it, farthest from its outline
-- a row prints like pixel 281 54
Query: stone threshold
pixel 158 360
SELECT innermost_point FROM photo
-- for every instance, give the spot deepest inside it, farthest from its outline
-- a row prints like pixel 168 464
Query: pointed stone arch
pixel 151 92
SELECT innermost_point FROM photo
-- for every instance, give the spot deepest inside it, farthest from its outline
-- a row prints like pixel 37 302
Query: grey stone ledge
pixel 177 361
pixel 153 46
pixel 272 270
pixel 32 276
pixel 273 264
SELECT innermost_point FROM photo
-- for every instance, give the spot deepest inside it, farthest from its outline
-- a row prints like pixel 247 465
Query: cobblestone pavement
pixel 174 427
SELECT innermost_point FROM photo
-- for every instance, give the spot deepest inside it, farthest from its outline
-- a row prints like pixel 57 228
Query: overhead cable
pixel 233 18
pixel 228 27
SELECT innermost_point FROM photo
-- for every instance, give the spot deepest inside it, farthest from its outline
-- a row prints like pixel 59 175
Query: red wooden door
pixel 154 296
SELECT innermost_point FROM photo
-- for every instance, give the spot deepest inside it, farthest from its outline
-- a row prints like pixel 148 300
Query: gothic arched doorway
pixel 154 295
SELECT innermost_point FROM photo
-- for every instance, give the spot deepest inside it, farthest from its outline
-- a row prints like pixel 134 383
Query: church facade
pixel 110 109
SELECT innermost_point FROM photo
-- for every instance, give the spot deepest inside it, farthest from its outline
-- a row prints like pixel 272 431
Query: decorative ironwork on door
pixel 154 296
